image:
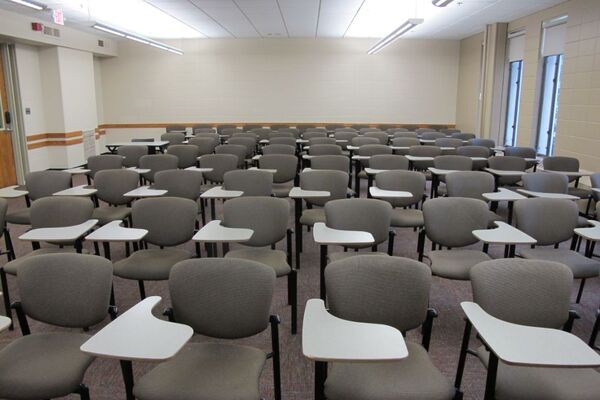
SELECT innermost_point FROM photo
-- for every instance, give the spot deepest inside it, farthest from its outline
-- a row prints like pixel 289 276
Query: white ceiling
pixel 318 18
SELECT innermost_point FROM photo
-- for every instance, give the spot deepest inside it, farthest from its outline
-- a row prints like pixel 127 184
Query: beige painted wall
pixel 269 80
pixel 467 103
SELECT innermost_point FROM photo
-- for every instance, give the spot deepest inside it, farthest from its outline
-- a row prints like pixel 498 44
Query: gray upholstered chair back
pixel 401 141
pixel 463 136
pixel 449 131
pixel 450 221
pixel 368 129
pixel 422 130
pixel 205 145
pixel 262 133
pixel 247 135
pixel 432 135
pixel 290 141
pixel 309 134
pixel 285 165
pixel 248 143
pixel 321 140
pixel 170 128
pixel 112 184
pixel 382 137
pixel 3 209
pixel 277 134
pixel 226 127
pixel 489 143
pixel 251 182
pixel 131 154
pixel 507 163
pixel 458 163
pixel 337 163
pixel 549 221
pixel 203 129
pixel 424 151
pixel 524 292
pixel 325 150
pixel 185 153
pixel 335 182
pixel 345 135
pixel 220 163
pixel 368 215
pixel 595 181
pixel 346 129
pixel 266 216
pixel 473 151
pixel 448 142
pixel 546 182
pixel 408 181
pixel 523 152
pixel 405 134
pixel 236 149
pixel 362 141
pixel 45 183
pixel 396 130
pixel 222 297
pixel 179 183
pixel 293 131
pixel 55 212
pixel 279 149
pixel 104 161
pixel 209 135
pixel 158 162
pixel 68 290
pixel 388 161
pixel 559 163
pixel 173 137
pixel 169 220
pixel 373 149
pixel 471 184
pixel 392 291
pixel 231 131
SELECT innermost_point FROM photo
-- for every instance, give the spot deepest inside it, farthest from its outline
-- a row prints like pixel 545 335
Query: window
pixel 512 108
pixel 549 104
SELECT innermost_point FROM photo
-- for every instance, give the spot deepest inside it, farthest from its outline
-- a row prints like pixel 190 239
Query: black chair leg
pixel 142 289
pixel 293 297
pixel 595 330
pixel 580 292
pixel 5 295
pixel 84 392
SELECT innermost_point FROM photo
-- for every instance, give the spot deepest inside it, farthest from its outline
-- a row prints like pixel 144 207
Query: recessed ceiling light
pixel 136 38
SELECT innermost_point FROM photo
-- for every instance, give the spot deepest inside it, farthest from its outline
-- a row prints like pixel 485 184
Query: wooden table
pixel 504 234
pixel 218 192
pixel 298 194
pixel 504 195
pixel 526 346
pixel 325 236
pixel 138 335
pixel 159 145
pixel 71 233
pixel 326 338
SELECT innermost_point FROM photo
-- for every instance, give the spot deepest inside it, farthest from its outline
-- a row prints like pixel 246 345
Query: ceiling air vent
pixel 51 31
pixel 100 43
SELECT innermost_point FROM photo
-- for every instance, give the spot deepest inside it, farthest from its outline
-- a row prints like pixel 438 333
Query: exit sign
pixel 58 17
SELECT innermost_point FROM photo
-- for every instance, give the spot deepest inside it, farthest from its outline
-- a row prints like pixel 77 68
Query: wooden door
pixel 8 175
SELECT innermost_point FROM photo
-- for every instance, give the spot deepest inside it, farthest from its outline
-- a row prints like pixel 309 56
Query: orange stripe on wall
pixel 40 136
pixel 47 143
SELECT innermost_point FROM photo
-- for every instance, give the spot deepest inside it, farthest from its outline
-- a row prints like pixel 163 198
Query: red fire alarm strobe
pixel 37 26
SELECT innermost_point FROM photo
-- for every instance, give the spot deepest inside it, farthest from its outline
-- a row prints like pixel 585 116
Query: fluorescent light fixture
pixel 441 3
pixel 136 16
pixel 401 30
pixel 137 38
pixel 30 4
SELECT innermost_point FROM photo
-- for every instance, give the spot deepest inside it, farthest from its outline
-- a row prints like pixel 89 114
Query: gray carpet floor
pixel 104 376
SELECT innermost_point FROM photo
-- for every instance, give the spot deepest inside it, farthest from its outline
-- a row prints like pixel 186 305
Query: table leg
pixel 320 377
pixel 323 265
pixel 369 184
pixel 106 247
pixel 298 229
pixel 127 370
pixel 433 185
pixel 511 206
pixel 490 382
pixel 357 178
pixel 511 250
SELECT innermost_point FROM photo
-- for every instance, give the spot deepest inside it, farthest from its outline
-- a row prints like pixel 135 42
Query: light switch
pixel 27 111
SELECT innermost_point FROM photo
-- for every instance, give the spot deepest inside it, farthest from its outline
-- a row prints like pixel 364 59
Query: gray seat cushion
pixel 581 266
pixel 455 264
pixel 108 214
pixel 407 218
pixel 582 222
pixel 20 217
pixel 205 371
pixel 527 383
pixel 341 255
pixel 312 216
pixel 275 259
pixel 13 266
pixel 579 192
pixel 282 189
pixel 43 366
pixel 412 378
pixel 151 264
